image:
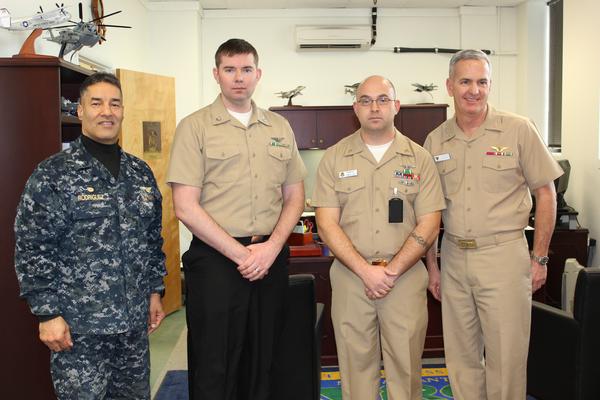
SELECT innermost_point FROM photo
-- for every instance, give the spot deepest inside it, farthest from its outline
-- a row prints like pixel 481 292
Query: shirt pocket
pixel 279 158
pixel 499 174
pixel 449 176
pixel 93 227
pixel 350 194
pixel 222 163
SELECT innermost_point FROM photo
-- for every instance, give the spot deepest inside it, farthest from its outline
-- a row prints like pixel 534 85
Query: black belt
pixel 246 240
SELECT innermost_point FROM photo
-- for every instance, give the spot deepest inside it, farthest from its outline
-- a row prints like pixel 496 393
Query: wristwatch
pixel 542 260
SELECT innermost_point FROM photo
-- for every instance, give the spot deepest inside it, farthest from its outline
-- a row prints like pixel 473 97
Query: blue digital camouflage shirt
pixel 89 246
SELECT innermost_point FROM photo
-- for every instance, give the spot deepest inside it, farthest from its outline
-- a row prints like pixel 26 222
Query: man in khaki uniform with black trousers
pixel 378 200
pixel 237 181
pixel 489 161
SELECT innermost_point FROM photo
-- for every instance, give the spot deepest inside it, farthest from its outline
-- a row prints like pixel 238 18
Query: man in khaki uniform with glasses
pixel 489 162
pixel 237 181
pixel 378 200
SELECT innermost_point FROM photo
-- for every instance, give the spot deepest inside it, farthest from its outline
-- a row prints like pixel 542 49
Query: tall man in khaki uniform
pixel 489 161
pixel 237 181
pixel 378 200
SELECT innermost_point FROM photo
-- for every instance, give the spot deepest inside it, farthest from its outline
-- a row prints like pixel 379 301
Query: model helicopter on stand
pixel 73 37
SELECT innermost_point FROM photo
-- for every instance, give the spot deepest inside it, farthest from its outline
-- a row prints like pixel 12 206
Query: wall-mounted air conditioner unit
pixel 333 37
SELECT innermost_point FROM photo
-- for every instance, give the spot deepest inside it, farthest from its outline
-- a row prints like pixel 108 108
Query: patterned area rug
pixel 434 378
pixel 435 385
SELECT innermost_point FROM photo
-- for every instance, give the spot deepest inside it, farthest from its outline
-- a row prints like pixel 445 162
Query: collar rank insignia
pixel 276 142
pixel 499 151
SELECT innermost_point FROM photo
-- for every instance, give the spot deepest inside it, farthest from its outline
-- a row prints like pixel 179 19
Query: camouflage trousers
pixel 103 367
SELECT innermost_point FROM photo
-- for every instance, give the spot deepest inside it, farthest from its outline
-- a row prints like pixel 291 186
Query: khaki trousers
pixel 395 324
pixel 486 306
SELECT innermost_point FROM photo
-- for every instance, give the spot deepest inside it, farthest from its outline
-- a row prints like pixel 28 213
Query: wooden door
pixel 148 131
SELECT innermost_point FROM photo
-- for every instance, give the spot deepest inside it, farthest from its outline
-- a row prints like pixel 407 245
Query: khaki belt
pixel 483 241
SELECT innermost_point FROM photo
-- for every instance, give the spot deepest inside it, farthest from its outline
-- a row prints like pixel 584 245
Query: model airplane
pixel 291 94
pixel 425 88
pixel 351 88
pixel 41 20
pixel 73 37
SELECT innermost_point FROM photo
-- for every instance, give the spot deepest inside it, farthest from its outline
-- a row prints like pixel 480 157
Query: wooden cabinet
pixel 322 127
pixel 417 120
pixel 33 128
pixel 319 127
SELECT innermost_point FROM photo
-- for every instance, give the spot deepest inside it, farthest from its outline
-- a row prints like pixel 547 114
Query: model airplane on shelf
pixel 73 37
pixel 351 89
pixel 425 88
pixel 290 94
pixel 41 20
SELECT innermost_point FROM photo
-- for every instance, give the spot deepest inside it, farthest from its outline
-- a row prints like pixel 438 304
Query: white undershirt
pixel 244 118
pixel 379 150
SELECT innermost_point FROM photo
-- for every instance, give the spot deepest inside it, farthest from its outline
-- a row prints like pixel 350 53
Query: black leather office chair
pixel 297 371
pixel 564 349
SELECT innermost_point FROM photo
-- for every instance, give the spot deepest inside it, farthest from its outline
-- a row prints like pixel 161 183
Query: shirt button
pixel 377 210
pixel 468 189
pixel 468 167
pixel 222 154
pixel 468 230
pixel 377 252
pixel 256 175
pixel 377 231
pixel 256 196
pixel 499 166
pixel 253 155
pixel 469 146
pixel 468 208
pixel 444 170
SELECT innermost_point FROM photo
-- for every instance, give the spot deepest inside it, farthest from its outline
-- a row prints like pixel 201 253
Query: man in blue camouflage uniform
pixel 89 258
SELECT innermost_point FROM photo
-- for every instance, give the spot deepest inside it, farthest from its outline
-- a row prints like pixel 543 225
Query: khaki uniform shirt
pixel 487 178
pixel 241 170
pixel 349 178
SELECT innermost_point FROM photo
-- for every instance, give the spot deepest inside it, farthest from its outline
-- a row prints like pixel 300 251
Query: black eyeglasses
pixel 367 101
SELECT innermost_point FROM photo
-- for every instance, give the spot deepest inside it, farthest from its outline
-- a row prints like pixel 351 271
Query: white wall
pixel 325 73
pixel 581 105
pixel 532 70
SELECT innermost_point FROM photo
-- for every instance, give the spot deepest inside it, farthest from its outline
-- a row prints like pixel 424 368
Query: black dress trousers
pixel 234 325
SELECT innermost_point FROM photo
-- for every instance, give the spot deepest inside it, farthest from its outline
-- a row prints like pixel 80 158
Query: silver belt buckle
pixel 467 244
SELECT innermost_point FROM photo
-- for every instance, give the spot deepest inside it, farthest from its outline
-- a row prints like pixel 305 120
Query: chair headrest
pixel 587 294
